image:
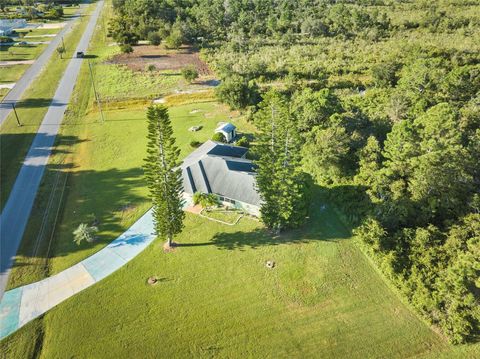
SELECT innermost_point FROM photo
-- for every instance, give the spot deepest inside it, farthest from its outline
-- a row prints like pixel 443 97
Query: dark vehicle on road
pixel 80 54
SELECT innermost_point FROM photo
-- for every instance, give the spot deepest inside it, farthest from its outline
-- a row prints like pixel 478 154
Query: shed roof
pixel 227 127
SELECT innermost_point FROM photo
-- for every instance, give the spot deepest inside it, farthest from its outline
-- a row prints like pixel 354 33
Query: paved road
pixel 32 72
pixel 16 212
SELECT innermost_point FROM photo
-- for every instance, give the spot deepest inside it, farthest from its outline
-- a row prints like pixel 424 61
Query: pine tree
pixel 280 181
pixel 163 175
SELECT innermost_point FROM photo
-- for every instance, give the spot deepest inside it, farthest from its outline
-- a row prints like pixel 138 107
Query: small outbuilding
pixel 228 130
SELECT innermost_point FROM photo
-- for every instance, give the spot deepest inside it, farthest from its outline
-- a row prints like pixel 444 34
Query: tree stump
pixel 152 280
pixel 270 264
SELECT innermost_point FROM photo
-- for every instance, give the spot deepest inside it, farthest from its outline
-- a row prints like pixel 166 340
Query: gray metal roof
pixel 213 148
pixel 227 176
pixel 227 127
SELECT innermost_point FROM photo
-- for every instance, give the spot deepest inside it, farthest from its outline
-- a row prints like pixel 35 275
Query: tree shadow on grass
pixel 323 224
pixel 68 196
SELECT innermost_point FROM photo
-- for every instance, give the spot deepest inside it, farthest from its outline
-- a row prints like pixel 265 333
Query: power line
pixel 97 98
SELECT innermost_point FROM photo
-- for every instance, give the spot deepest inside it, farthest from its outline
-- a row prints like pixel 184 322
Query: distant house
pixel 223 170
pixel 7 26
pixel 228 130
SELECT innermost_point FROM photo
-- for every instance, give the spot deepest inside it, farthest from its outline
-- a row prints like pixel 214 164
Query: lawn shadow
pixel 323 224
pixel 66 198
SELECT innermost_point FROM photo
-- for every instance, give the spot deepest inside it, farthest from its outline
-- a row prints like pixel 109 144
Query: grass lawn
pixel 12 73
pixel 39 32
pixel 21 53
pixel 15 141
pixel 216 298
pixel 106 180
pixel 220 214
pixel 69 11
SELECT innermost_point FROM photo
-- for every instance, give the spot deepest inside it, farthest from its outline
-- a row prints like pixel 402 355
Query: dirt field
pixel 163 59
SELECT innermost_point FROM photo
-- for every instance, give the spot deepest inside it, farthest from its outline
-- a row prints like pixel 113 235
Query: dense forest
pixel 384 97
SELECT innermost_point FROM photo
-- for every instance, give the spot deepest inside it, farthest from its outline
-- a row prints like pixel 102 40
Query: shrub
pixel 237 92
pixel 126 48
pixel 151 67
pixel 205 199
pixel 195 144
pixel 243 142
pixel 174 40
pixel 154 38
pixel 5 39
pixel 189 73
pixel 219 137
pixel 84 233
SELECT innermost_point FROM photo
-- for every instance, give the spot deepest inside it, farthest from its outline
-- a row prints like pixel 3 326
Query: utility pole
pixel 97 98
pixel 16 115
pixel 63 44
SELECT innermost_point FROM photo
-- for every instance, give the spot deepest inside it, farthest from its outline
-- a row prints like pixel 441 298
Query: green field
pixel 216 298
pixel 119 82
pixel 106 179
pixel 12 73
pixel 21 53
pixel 39 32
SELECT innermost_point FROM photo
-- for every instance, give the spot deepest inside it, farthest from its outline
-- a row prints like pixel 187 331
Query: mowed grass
pixel 217 299
pixel 10 74
pixel 39 32
pixel 105 179
pixel 21 53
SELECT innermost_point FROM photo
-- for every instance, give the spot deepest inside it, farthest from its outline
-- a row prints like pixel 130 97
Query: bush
pixel 151 67
pixel 189 73
pixel 126 48
pixel 219 137
pixel 237 92
pixel 174 40
pixel 243 142
pixel 195 144
pixel 5 39
pixel 154 38
pixel 206 200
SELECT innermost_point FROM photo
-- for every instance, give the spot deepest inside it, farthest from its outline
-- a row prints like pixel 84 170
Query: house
pixel 8 26
pixel 223 170
pixel 228 130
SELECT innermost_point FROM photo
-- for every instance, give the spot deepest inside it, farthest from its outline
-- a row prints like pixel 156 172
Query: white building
pixel 228 130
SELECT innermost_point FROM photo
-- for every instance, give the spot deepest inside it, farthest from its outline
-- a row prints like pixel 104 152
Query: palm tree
pixel 84 233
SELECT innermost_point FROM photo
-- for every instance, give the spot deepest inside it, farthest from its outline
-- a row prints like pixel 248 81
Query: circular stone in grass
pixel 152 280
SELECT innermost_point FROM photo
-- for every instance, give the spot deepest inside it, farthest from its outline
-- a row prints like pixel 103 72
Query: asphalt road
pixel 32 72
pixel 16 212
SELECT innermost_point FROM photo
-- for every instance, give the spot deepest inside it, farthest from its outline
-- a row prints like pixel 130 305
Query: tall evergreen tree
pixel 280 180
pixel 163 174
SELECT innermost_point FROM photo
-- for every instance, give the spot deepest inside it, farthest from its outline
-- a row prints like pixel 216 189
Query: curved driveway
pixel 21 305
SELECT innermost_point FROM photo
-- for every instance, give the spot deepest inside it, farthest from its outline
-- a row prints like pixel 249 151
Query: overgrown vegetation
pixel 386 99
